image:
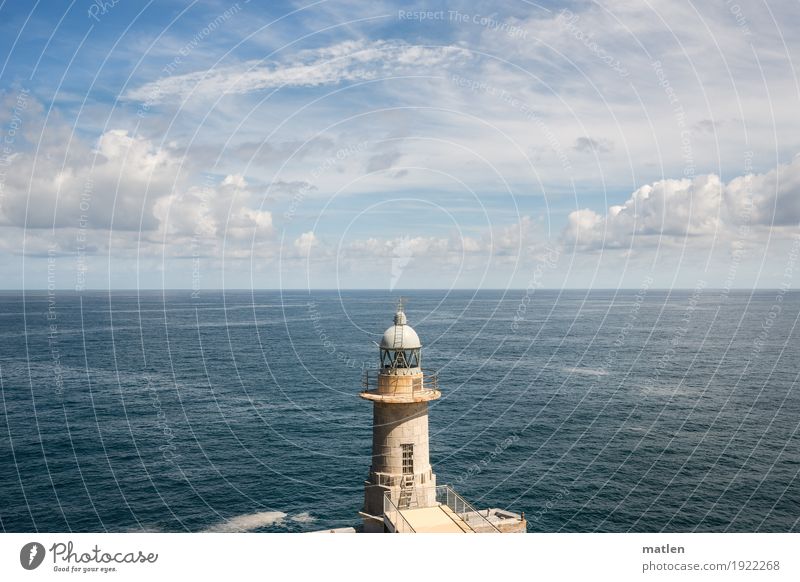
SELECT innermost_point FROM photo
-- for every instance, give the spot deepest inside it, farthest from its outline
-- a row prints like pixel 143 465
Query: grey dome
pixel 406 338
pixel 400 335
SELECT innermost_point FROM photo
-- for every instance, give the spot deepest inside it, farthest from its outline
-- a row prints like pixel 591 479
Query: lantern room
pixel 400 346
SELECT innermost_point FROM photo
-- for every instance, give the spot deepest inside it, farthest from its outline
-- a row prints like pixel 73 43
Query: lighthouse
pixel 401 494
pixel 400 391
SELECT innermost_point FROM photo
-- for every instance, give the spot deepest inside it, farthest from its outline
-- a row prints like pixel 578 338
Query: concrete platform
pixel 436 519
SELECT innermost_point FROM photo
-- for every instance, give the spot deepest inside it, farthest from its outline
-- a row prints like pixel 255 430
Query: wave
pixel 248 522
pixel 304 517
pixel 586 371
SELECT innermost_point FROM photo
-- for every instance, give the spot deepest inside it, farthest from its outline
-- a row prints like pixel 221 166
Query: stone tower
pixel 400 392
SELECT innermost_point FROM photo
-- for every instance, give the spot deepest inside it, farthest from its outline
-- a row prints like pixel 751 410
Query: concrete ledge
pixel 421 396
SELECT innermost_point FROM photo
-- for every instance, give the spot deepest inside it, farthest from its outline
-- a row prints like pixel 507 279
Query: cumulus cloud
pixel 700 207
pixel 216 219
pixel 304 242
pixel 511 239
pixel 62 192
pixel 345 61
pixel 68 182
pixel 775 195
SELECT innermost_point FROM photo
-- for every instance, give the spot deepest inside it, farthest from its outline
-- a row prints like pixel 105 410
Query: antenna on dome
pixel 399 320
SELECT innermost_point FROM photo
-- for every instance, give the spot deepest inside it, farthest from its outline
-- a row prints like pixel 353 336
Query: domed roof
pixel 400 335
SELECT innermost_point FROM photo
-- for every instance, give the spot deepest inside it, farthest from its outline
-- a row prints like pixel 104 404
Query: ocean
pixel 613 411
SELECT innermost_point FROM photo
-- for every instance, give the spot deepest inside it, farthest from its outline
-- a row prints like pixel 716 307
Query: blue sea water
pixel 589 411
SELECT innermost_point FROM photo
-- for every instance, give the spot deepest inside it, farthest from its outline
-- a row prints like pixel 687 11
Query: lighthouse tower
pixel 400 474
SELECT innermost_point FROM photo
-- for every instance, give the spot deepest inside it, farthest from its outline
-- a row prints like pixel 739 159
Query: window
pixel 408 459
pixel 400 358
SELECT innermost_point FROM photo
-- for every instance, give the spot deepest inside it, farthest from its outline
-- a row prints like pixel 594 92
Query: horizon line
pixel 377 289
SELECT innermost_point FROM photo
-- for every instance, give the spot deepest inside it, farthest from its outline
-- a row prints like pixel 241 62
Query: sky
pixel 397 145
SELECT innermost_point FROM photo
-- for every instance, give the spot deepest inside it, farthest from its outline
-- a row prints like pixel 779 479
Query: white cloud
pixel 511 239
pixel 775 195
pixel 304 242
pixel 500 243
pixel 205 216
pixel 345 61
pixel 403 246
pixel 68 183
pixel 701 208
pixel 124 195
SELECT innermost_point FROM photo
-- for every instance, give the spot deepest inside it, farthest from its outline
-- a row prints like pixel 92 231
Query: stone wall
pixel 396 425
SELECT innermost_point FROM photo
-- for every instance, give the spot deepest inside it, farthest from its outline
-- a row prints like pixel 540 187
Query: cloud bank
pixel 699 208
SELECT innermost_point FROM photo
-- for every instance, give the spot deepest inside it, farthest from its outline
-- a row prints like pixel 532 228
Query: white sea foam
pixel 586 371
pixel 248 522
pixel 304 517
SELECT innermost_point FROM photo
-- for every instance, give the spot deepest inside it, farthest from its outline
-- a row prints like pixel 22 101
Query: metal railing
pixel 392 513
pixel 427 382
pixel 445 495
pixel 463 509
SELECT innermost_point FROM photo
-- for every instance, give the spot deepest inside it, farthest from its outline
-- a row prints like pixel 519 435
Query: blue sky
pixel 398 145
